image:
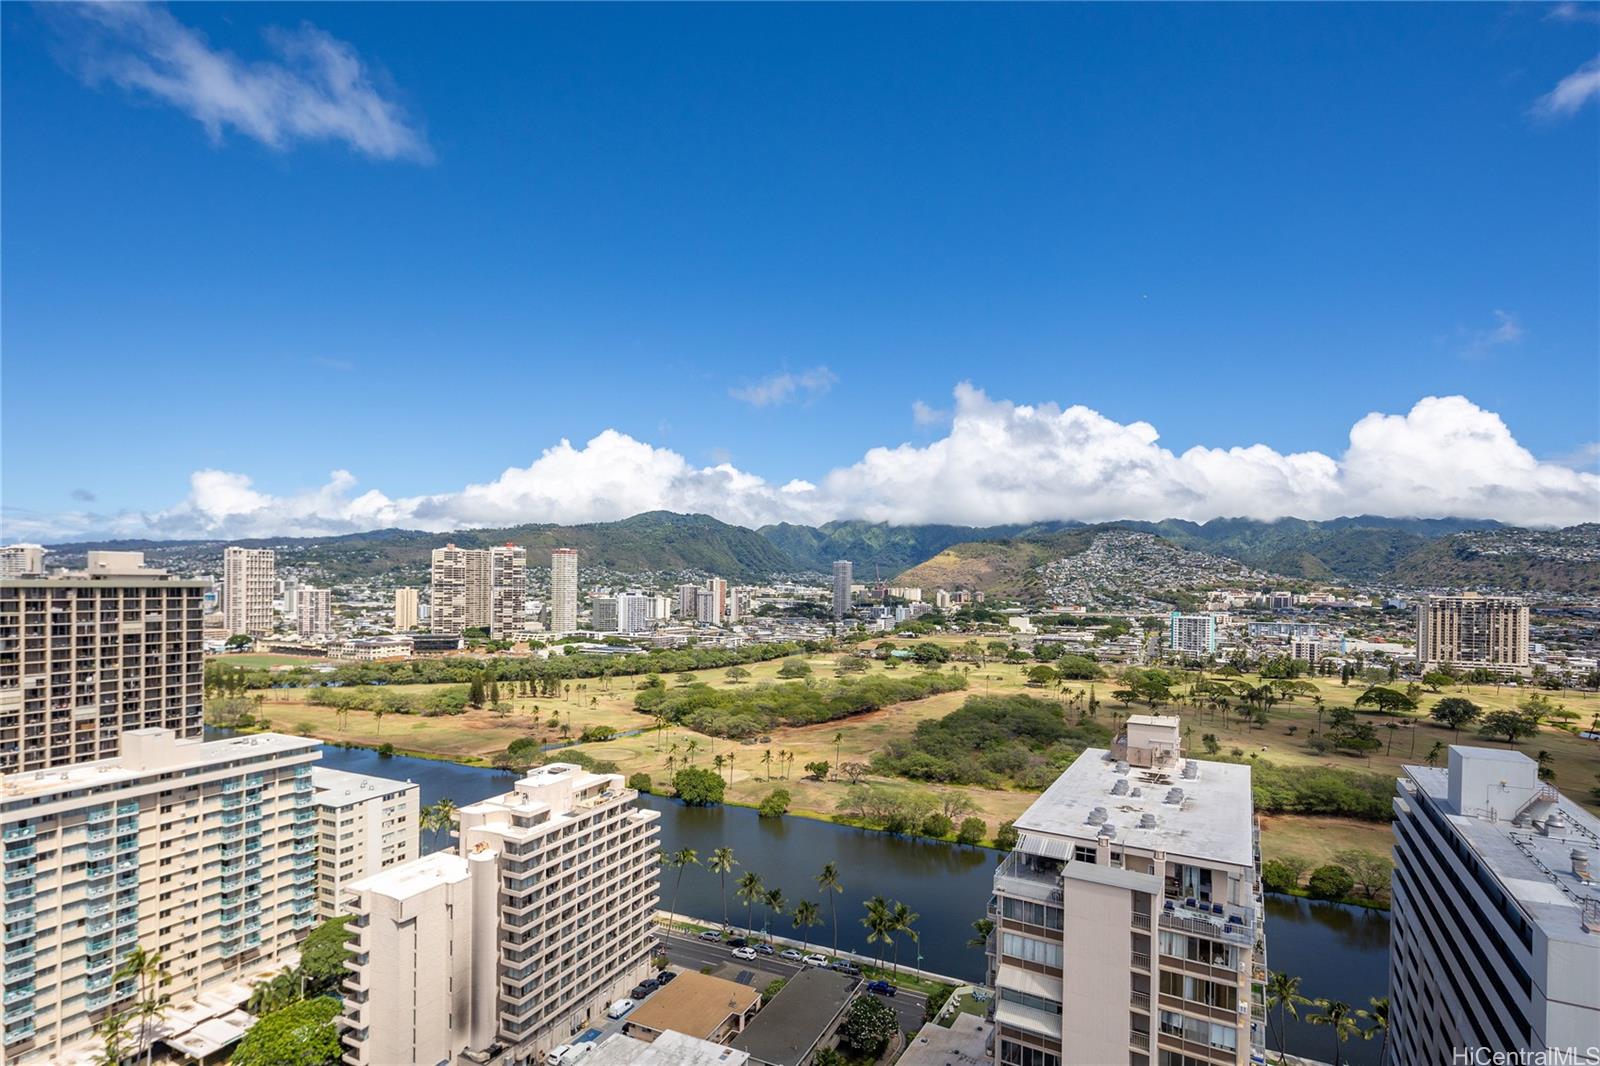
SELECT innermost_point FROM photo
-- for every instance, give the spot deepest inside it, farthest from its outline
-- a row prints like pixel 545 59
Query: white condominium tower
pixel 843 578
pixel 405 610
pixel 450 612
pixel 202 851
pixel 564 590
pixel 1128 921
pixel 1495 928
pixel 19 559
pixel 479 588
pixel 1472 631
pixel 366 824
pixel 313 612
pixel 249 581
pixel 508 592
pixel 544 914
pixel 85 656
pixel 719 591
pixel 1193 635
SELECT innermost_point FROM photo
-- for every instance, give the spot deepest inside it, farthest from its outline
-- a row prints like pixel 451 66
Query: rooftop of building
pixel 668 1049
pixel 414 877
pixel 339 788
pixel 562 789
pixel 1185 807
pixel 799 1016
pixel 964 1043
pixel 696 1004
pixel 151 751
pixel 1531 838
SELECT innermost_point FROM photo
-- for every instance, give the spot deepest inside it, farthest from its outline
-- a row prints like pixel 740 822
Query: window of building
pixel 1021 910
pixel 1030 949
pixel 1198 990
pixel 1012 1054
pixel 1029 1000
pixel 1082 853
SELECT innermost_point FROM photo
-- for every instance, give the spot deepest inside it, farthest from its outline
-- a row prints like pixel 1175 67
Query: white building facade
pixel 365 824
pixel 405 610
pixel 313 614
pixel 1472 631
pixel 1192 635
pixel 563 604
pixel 249 583
pixel 843 580
pixel 19 559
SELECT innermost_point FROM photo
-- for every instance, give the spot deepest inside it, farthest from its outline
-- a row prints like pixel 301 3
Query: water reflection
pixel 1338 952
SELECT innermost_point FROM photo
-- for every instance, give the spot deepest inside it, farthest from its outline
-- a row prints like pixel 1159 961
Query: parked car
pixel 665 977
pixel 643 989
pixel 746 954
pixel 738 942
pixel 764 949
pixel 815 960
pixel 567 1054
pixel 791 954
pixel 620 1007
pixel 711 934
pixel 841 966
pixel 880 988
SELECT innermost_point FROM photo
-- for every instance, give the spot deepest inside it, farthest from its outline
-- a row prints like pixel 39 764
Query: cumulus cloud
pixel 1573 12
pixel 781 388
pixel 316 89
pixel 999 462
pixel 1570 93
pixel 927 415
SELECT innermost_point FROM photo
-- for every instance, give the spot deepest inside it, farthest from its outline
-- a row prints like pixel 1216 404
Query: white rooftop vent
pixel 1147 821
pixel 1580 865
pixel 1136 792
pixel 1554 823
pixel 1122 766
pixel 1174 795
pixel 1120 788
pixel 1097 816
pixel 1191 769
pixel 1107 832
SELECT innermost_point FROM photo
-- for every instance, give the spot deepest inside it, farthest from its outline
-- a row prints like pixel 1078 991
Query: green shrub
pixel 1277 876
pixel 775 805
pixel 1331 882
pixel 697 786
pixel 971 831
pixel 639 782
pixel 741 713
pixel 937 825
pixel 869 1025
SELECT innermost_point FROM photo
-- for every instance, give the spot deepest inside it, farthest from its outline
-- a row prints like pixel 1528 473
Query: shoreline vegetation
pixel 944 736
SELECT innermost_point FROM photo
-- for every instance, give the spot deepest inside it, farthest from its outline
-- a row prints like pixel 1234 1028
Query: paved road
pixel 690 954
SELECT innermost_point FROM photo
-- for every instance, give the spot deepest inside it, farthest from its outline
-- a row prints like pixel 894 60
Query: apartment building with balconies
pixel 1470 631
pixel 365 824
pixel 249 584
pixel 1494 951
pixel 1128 920
pixel 515 941
pixel 204 851
pixel 87 655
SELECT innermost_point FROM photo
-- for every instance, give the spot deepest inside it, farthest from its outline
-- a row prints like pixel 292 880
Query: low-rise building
pixel 365 824
pixel 375 649
pixel 800 1019
pixel 669 1049
pixel 698 1005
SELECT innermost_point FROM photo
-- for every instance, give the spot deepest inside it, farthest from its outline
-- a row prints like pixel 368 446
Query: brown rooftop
pixel 695 1004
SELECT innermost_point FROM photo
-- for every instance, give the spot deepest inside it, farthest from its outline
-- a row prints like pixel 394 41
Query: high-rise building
pixel 508 592
pixel 19 559
pixel 1473 631
pixel 249 581
pixel 543 915
pixel 1193 635
pixel 843 578
pixel 1495 923
pixel 719 589
pixel 405 610
pixel 201 851
pixel 604 615
pixel 941 599
pixel 564 590
pixel 366 824
pixel 688 601
pixel 705 608
pixel 448 589
pixel 1128 920
pixel 661 607
pixel 86 656
pixel 313 613
pixel 738 604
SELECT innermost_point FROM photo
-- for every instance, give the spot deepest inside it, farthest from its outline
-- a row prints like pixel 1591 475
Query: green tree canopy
pixel 302 1034
pixel 697 786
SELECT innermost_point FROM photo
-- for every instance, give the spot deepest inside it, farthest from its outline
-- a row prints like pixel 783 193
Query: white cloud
pixel 999 462
pixel 1573 12
pixel 781 388
pixel 317 89
pixel 1480 342
pixel 1571 92
pixel 926 415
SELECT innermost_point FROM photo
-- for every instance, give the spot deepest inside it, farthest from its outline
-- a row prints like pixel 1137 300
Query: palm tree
pixel 775 904
pixel 806 914
pixel 690 748
pixel 146 968
pixel 443 815
pixel 1379 1017
pixel 766 760
pixel 980 933
pixel 1342 1019
pixel 718 762
pixel 829 879
pixel 113 1029
pixel 838 739
pixel 730 769
pixel 902 919
pixel 748 888
pixel 1283 992
pixel 879 923
pixel 678 860
pixel 343 714
pixel 272 994
pixel 377 716
pixel 720 863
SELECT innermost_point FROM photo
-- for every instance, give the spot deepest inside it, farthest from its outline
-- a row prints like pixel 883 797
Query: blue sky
pixel 769 239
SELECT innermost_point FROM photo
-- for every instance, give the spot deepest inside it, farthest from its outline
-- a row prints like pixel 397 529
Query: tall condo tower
pixel 564 590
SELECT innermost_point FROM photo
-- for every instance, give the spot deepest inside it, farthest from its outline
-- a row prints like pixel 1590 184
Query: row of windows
pixel 1030 949
pixel 1198 949
pixel 1198 990
pixel 1029 1000
pixel 1199 1031
pixel 1021 910
pixel 1012 1054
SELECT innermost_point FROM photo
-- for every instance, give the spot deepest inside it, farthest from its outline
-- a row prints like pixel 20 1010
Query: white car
pixel 620 1007
pixel 791 954
pixel 567 1054
pixel 744 953
pixel 815 960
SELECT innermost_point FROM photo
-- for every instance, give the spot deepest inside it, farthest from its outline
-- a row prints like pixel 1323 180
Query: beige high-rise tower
pixel 1473 631
pixel 563 590
pixel 405 610
pixel 249 577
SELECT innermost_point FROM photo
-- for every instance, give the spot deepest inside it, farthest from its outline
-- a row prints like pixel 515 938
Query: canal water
pixel 1338 952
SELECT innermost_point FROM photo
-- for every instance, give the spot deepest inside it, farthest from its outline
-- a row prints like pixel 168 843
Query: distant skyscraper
pixel 737 600
pixel 688 605
pixel 479 588
pixel 719 589
pixel 1473 631
pixel 405 610
pixel 508 592
pixel 1194 635
pixel 145 665
pixel 19 559
pixel 1495 934
pixel 843 578
pixel 313 612
pixel 249 579
pixel 941 599
pixel 448 589
pixel 705 607
pixel 564 590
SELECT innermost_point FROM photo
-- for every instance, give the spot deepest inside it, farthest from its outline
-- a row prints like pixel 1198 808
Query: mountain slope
pixel 878 547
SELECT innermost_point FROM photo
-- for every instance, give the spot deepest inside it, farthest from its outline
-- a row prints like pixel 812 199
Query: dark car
pixel 644 988
pixel 710 934
pixel 665 977
pixel 842 966
pixel 881 988
pixel 738 942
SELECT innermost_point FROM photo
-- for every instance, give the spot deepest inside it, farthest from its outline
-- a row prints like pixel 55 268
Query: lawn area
pixel 483 733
